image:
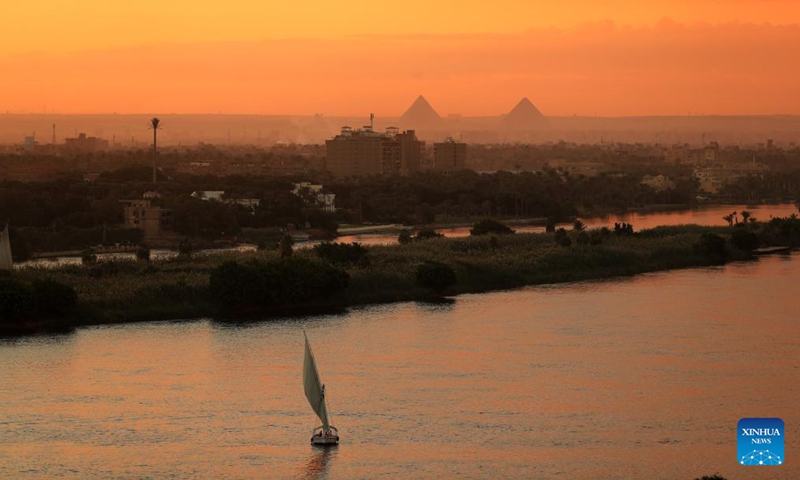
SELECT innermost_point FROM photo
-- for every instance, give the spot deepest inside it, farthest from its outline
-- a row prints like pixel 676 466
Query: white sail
pixel 6 262
pixel 315 390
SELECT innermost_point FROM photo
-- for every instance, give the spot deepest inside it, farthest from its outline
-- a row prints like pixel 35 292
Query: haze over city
pixel 472 58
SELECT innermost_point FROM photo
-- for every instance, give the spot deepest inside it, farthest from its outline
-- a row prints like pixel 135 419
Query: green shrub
pixel 404 238
pixel 744 239
pixel 280 282
pixel 342 253
pixel 16 300
pixel 562 238
pixel 488 225
pixel 712 246
pixel 143 253
pixel 286 246
pixel 88 257
pixel 52 299
pixel 427 234
pixel 435 276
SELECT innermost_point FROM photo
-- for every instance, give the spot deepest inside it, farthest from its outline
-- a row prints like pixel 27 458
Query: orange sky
pixel 586 57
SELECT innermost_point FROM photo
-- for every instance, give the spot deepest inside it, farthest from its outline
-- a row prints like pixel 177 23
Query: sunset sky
pixel 473 57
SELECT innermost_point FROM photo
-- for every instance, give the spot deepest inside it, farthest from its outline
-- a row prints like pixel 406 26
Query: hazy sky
pixel 586 57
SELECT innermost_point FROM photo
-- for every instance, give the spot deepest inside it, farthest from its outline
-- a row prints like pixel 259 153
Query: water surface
pixel 644 377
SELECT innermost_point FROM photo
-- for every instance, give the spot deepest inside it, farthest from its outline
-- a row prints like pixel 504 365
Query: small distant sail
pixel 6 261
pixel 315 391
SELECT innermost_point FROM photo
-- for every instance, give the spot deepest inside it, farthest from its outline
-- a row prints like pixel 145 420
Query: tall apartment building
pixel 449 156
pixel 365 152
pixel 142 215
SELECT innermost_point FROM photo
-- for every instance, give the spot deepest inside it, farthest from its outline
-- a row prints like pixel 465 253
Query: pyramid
pixel 525 116
pixel 420 115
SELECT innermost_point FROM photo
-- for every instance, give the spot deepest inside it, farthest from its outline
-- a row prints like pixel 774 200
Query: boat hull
pixel 325 440
pixel 322 437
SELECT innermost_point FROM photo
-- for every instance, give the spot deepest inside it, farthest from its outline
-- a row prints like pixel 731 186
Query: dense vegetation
pixel 257 283
pixel 69 213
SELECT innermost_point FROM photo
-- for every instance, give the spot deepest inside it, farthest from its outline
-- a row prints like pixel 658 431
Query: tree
pixel 143 253
pixel 427 234
pixel 436 276
pixel 562 238
pixel 286 246
pixel 578 226
pixel 404 238
pixel 745 216
pixel 712 246
pixel 729 218
pixel 88 257
pixel 744 240
pixel 185 248
pixel 489 225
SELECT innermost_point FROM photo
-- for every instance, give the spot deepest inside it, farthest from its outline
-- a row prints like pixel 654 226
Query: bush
pixel 488 225
pixel 427 234
pixel 16 300
pixel 436 276
pixel 342 253
pixel 52 299
pixel 88 257
pixel 275 283
pixel 744 239
pixel 713 246
pixel 404 238
pixel 143 254
pixel 286 246
pixel 562 238
pixel 185 248
pixel 623 229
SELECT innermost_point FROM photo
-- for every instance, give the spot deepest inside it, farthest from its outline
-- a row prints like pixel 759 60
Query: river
pixel 644 377
pixel 704 215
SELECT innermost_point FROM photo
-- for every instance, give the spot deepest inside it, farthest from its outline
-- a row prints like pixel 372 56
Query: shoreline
pixel 132 292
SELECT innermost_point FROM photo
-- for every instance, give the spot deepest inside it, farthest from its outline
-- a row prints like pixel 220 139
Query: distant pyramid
pixel 525 116
pixel 420 115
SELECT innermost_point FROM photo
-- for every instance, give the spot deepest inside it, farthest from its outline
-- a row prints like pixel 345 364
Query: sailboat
pixel 6 261
pixel 325 434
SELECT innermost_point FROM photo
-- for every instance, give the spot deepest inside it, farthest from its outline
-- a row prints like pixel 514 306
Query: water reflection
pixel 317 466
pixel 614 379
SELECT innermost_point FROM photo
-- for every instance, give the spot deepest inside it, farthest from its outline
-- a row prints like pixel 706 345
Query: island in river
pixel 252 285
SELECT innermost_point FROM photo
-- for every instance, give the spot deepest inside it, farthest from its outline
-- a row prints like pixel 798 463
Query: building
pixel 402 152
pixel 142 215
pixel 449 156
pixel 313 193
pixel 711 152
pixel 366 152
pixel 658 183
pixel 84 144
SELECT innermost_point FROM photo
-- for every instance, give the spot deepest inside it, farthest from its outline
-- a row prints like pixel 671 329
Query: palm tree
pixel 745 216
pixel 729 218
pixel 155 124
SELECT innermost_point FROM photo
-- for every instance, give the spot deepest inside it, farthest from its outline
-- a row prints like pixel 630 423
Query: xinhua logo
pixel 760 441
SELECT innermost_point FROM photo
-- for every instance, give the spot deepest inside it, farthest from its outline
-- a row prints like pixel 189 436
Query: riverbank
pixel 178 288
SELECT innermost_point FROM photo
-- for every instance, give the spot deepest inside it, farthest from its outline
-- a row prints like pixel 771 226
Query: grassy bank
pixel 129 291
